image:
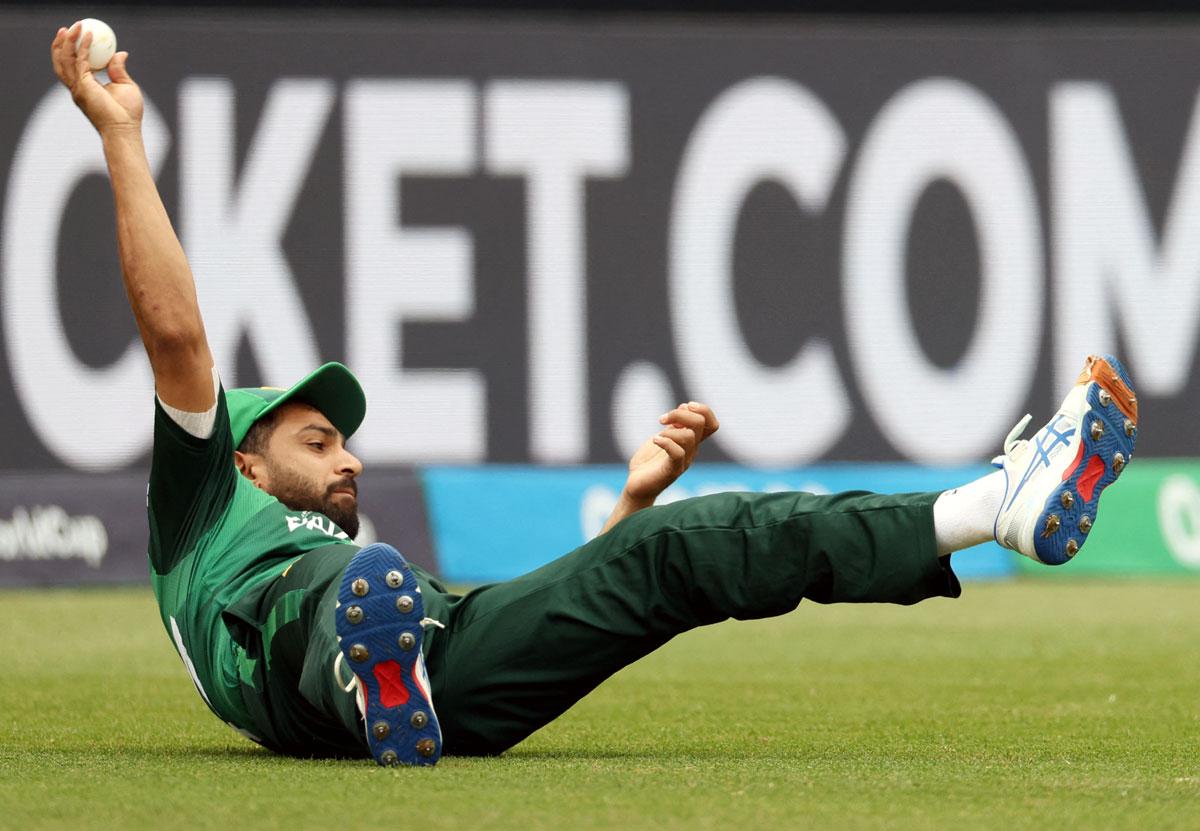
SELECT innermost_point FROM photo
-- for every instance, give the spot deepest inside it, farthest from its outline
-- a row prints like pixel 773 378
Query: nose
pixel 349 464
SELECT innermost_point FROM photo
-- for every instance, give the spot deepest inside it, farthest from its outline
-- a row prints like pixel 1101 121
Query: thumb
pixel 117 73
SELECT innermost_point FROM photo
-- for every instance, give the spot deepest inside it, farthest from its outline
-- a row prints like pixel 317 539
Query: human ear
pixel 250 465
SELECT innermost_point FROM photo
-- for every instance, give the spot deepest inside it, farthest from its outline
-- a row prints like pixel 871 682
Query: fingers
pixel 55 46
pixel 680 445
pixel 69 55
pixel 711 425
pixel 681 416
pixel 693 416
pixel 82 44
pixel 684 417
pixel 62 56
pixel 672 448
pixel 681 435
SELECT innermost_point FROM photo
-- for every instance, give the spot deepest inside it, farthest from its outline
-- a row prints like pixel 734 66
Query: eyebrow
pixel 325 431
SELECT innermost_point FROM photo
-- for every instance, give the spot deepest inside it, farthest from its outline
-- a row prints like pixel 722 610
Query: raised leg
pixel 516 655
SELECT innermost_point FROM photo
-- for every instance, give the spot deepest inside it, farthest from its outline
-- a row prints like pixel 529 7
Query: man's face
pixel 307 466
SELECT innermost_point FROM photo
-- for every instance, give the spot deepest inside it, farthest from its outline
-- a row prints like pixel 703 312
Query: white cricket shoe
pixel 1053 481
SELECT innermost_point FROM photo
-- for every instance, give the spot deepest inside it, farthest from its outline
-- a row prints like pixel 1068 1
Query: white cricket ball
pixel 104 42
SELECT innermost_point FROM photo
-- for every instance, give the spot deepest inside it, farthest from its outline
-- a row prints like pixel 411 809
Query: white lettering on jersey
pixel 316 522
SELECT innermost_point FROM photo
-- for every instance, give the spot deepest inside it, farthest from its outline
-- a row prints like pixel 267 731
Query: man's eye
pixel 317 445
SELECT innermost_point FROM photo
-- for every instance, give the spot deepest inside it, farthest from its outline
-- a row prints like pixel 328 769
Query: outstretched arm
pixel 158 279
pixel 664 457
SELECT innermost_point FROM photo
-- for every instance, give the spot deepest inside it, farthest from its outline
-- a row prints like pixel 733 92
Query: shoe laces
pixel 350 686
pixel 1013 441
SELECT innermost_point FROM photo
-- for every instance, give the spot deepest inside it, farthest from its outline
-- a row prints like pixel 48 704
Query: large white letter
pixel 233 235
pixel 396 273
pixel 1107 267
pixel 91 419
pixel 762 129
pixel 941 129
pixel 556 133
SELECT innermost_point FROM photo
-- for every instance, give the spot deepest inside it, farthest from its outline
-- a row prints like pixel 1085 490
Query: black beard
pixel 294 493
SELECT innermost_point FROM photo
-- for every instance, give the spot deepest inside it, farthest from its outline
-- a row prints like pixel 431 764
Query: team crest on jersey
pixel 316 522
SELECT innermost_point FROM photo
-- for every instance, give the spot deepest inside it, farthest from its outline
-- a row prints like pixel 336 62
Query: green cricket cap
pixel 331 388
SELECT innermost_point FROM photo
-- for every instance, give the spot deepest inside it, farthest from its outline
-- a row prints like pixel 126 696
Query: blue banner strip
pixel 496 522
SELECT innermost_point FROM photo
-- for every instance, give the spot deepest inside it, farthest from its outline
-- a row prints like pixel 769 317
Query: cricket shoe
pixel 1053 482
pixel 380 628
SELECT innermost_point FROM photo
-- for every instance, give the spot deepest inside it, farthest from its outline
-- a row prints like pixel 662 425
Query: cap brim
pixel 332 389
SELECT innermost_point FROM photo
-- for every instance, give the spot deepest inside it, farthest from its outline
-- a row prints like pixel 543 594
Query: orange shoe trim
pixel 1099 370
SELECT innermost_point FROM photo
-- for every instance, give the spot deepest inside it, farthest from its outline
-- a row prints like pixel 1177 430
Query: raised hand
pixel 158 280
pixel 667 454
pixel 115 105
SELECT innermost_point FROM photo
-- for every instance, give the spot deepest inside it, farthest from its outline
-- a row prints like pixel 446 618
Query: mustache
pixel 347 484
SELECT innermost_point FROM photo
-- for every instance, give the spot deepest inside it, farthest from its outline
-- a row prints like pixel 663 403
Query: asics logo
pixel 1060 437
pixel 1044 443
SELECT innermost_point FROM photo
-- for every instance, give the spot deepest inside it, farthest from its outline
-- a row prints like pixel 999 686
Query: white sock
pixel 966 515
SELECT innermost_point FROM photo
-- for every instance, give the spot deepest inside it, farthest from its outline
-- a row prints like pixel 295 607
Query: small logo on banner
pixel 1179 518
pixel 48 532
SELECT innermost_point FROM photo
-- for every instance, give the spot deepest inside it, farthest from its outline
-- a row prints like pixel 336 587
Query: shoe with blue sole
pixel 380 629
pixel 1053 481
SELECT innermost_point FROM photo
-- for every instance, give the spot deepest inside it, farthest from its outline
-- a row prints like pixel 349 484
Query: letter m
pixel 1110 270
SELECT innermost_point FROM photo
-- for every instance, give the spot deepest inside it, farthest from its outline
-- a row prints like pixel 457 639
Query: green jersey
pixel 215 538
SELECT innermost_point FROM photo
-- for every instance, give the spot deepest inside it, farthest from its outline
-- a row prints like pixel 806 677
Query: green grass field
pixel 1074 705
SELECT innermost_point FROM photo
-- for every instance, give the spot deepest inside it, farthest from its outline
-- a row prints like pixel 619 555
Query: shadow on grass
pixel 63 755
pixel 678 755
pixel 247 753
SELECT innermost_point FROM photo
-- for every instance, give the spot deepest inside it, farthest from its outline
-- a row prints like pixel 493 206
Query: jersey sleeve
pixel 192 482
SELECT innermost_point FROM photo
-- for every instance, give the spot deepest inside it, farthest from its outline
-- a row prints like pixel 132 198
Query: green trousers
pixel 516 655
